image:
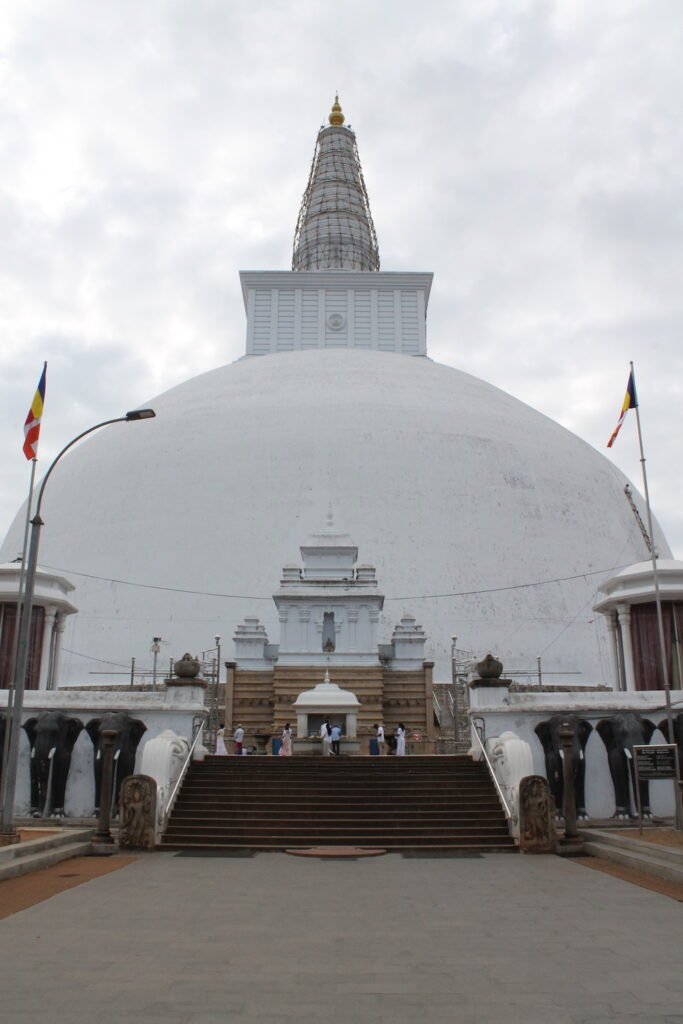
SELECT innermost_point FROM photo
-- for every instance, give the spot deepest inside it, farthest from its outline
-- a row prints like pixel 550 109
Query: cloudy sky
pixel 527 152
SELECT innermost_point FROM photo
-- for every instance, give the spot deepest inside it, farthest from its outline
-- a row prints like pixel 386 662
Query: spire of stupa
pixel 335 230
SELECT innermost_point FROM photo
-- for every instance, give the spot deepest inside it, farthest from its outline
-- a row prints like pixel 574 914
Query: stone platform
pixel 241 939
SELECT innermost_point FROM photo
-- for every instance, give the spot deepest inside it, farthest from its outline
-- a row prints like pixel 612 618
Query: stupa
pixel 484 518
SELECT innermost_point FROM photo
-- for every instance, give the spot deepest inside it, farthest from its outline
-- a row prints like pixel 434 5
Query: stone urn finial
pixel 186 667
pixel 490 668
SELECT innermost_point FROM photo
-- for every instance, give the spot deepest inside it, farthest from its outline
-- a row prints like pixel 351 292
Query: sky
pixel 529 153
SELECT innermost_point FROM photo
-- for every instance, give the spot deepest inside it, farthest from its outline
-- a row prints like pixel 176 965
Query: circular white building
pixel 485 519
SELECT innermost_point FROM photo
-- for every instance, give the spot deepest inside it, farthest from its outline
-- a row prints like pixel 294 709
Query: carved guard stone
pixel 536 816
pixel 138 812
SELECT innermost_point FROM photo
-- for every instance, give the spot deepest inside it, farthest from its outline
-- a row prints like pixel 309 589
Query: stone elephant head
pixel 52 736
pixel 620 734
pixel 549 734
pixel 129 732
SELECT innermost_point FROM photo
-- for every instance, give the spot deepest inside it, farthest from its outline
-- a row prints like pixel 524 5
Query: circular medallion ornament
pixel 336 321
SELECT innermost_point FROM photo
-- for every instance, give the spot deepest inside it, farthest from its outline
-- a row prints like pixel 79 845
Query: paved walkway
pixel 177 939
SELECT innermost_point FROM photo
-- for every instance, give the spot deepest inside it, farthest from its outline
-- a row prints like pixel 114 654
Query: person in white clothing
pixel 220 741
pixel 286 746
pixel 326 737
pixel 238 737
pixel 380 738
pixel 400 740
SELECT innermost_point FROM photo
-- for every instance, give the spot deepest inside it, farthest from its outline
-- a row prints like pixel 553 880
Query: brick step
pixel 473 842
pixel 278 769
pixel 339 805
pixel 322 805
pixel 427 759
pixel 328 768
pixel 331 766
pixel 334 785
pixel 393 821
pixel 445 848
pixel 368 837
pixel 446 763
pixel 327 813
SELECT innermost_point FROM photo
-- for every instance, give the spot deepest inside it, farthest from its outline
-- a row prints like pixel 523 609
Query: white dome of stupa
pixel 447 485
pixel 484 519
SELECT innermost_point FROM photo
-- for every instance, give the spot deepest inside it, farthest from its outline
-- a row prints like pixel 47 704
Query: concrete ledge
pixel 651 858
pixel 21 858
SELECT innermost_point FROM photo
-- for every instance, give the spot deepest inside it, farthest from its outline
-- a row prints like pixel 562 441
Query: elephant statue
pixel 619 734
pixel 52 737
pixel 129 732
pixel 677 738
pixel 549 735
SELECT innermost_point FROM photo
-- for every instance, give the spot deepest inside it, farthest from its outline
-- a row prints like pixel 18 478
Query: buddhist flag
pixel 32 425
pixel 630 402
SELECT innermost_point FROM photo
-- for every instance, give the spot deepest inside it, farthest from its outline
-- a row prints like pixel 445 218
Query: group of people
pixel 238 737
pixel 330 736
pixel 399 736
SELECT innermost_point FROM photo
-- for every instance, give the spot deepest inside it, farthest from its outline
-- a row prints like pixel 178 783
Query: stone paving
pixel 181 939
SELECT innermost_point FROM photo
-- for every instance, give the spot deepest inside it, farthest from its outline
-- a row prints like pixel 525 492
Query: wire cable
pixel 411 597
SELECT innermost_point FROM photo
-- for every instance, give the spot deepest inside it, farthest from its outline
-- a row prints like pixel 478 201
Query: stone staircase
pixel 43 851
pixel 387 802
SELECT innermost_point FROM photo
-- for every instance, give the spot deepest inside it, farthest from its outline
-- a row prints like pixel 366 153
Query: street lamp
pixel 9 782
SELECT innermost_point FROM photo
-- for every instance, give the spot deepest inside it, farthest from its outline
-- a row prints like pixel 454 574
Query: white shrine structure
pixel 329 612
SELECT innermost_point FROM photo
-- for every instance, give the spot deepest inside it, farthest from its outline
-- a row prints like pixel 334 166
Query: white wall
pixel 175 713
pixel 522 712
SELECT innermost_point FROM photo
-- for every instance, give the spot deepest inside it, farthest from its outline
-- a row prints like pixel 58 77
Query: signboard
pixel 658 761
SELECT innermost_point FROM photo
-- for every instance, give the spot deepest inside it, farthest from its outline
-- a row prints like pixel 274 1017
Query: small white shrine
pixel 326 702
pixel 329 609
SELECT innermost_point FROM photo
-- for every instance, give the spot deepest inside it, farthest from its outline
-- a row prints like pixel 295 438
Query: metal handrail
pixel 436 707
pixel 508 812
pixel 181 776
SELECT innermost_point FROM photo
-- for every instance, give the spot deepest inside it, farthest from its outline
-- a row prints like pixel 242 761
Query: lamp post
pixel 156 647
pixel 8 832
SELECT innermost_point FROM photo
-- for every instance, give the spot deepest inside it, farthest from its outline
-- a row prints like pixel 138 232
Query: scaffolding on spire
pixel 334 230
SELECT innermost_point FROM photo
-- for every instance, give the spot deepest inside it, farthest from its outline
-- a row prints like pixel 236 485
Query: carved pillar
pixel 230 667
pixel 569 795
pixel 58 635
pixel 304 619
pixel 374 620
pixel 285 635
pixel 429 691
pixel 103 834
pixel 46 649
pixel 624 612
pixel 49 675
pixel 352 618
pixel 612 643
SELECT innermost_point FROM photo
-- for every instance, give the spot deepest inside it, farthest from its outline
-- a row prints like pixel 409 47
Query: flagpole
pixel 15 639
pixel 14 694
pixel 658 599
